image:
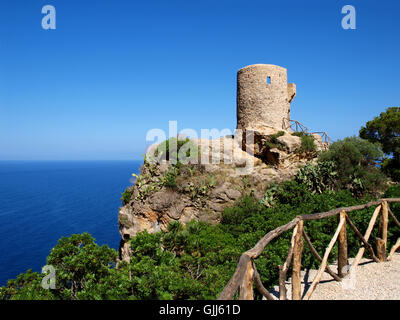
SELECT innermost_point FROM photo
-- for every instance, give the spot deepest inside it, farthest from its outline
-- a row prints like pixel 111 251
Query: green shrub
pixel 249 221
pixel 201 187
pixel 298 134
pixel 274 142
pixel 393 191
pixel 126 196
pixel 355 161
pixel 187 262
pixel 83 271
pixel 270 194
pixel 307 144
pixel 274 137
pixel 385 130
pixel 196 261
pixel 177 150
pixel 391 167
pixel 318 177
pixel 169 179
pixel 27 286
pixel 293 193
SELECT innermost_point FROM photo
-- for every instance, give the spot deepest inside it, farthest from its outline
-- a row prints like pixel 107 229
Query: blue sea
pixel 42 201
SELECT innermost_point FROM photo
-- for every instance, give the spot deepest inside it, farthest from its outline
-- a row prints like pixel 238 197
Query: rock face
pixel 202 190
pixel 260 153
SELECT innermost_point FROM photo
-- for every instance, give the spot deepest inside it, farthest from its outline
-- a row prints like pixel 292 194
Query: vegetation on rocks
pixel 193 261
pixel 307 144
pixel 274 142
pixel 126 196
pixel 355 162
pixel 196 260
pixel 318 177
pixel 177 150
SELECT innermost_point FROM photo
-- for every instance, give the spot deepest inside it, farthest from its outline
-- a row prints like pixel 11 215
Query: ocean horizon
pixel 44 200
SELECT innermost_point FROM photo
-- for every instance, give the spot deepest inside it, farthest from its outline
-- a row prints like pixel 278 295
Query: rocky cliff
pixel 164 192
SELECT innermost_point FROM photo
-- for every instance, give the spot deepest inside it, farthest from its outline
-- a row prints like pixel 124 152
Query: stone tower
pixel 263 97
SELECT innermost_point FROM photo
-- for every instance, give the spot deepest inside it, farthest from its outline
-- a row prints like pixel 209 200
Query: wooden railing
pixel 246 275
pixel 325 138
pixel 294 125
pixel 298 127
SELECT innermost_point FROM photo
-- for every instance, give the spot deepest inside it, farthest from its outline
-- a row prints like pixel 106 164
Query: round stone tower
pixel 263 97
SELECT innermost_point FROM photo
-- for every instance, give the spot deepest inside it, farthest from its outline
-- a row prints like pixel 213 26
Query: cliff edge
pixel 201 189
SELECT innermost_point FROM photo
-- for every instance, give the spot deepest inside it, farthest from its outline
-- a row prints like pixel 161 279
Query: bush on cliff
pixel 181 150
pixel 126 196
pixel 318 177
pixel 307 144
pixel 83 270
pixel 192 262
pixel 348 164
pixel 197 260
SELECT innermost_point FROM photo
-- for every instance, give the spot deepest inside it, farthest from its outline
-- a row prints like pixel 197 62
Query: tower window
pixel 268 80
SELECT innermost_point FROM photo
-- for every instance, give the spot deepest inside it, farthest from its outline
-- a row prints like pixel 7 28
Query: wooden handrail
pixel 324 136
pixel 296 125
pixel 245 271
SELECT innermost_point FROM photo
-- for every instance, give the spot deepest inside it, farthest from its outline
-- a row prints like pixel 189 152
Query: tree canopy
pixel 385 129
pixel 355 168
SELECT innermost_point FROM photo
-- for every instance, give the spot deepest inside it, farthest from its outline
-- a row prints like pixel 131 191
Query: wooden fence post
pixel 360 253
pixel 246 287
pixel 342 247
pixel 380 249
pixel 297 254
pixel 283 269
pixel 381 241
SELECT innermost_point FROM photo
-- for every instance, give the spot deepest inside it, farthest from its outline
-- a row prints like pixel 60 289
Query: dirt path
pixel 370 281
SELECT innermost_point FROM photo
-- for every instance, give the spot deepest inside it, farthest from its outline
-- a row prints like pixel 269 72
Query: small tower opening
pixel 268 80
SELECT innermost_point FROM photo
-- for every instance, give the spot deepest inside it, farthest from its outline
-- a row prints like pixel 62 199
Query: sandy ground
pixel 370 281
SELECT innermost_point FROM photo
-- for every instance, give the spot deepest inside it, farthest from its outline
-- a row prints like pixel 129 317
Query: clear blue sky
pixel 112 70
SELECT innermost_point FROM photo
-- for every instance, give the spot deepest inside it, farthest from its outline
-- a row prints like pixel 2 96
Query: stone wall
pixel 263 96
